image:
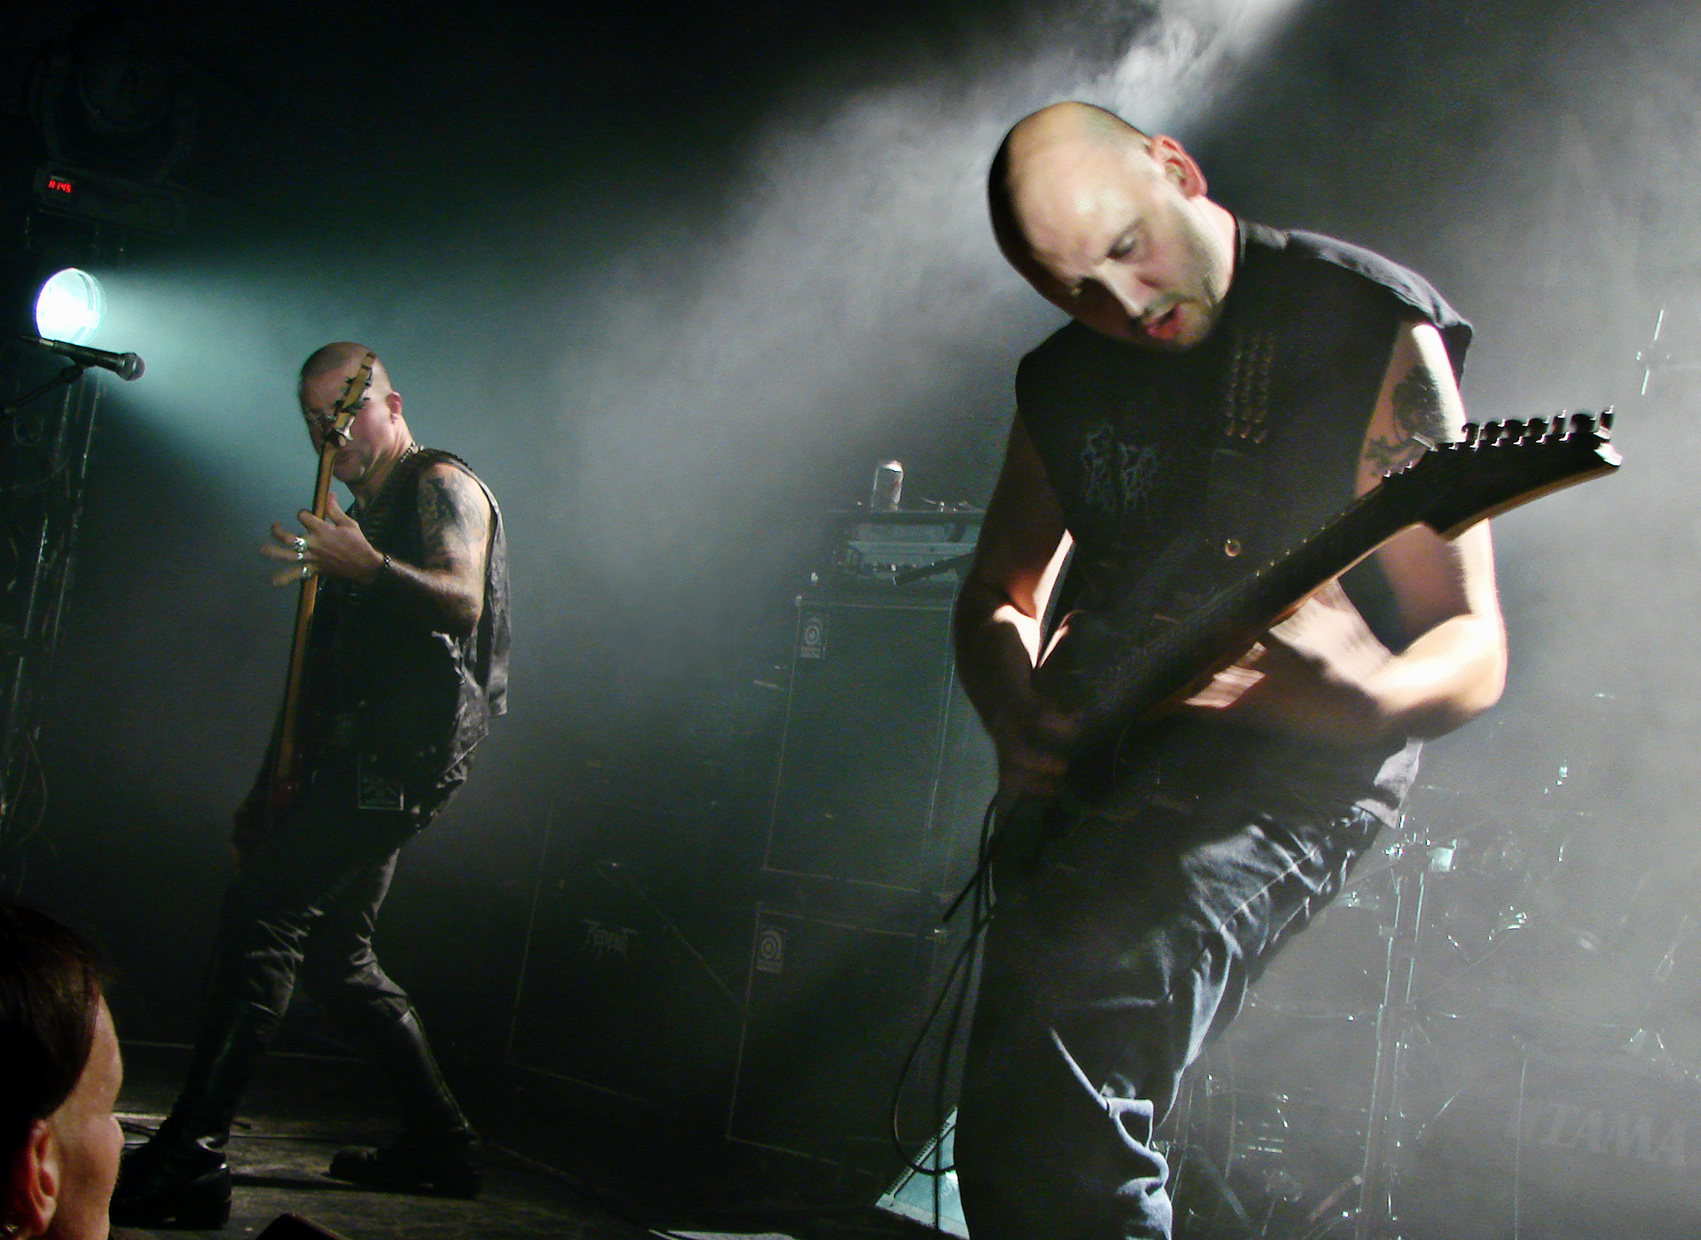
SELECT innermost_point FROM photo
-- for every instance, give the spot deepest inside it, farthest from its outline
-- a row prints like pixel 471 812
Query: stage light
pixel 69 306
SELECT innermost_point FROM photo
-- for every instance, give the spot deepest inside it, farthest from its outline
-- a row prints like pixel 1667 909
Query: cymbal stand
pixel 1396 1017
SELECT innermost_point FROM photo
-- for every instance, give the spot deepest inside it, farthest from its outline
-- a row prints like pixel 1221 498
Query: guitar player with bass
pixel 400 662
pixel 1224 389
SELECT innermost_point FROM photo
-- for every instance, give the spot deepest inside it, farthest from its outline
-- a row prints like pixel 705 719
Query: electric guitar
pixel 1124 670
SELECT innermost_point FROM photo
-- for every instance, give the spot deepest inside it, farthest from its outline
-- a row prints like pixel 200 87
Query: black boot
pixel 438 1152
pixel 173 1181
pixel 180 1177
pixel 444 1166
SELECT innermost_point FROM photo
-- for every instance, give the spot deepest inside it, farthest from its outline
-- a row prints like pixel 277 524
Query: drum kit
pixel 1484 1037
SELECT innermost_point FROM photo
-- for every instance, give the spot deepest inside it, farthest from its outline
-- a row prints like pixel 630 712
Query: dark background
pixel 673 277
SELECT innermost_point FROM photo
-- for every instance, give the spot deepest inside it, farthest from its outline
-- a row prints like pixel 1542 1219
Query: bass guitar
pixel 286 772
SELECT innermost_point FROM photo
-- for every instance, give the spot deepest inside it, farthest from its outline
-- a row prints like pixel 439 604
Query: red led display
pixel 60 185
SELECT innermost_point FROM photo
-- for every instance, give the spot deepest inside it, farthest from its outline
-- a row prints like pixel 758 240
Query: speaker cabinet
pixel 832 1009
pixel 882 776
pixel 883 768
pixel 629 986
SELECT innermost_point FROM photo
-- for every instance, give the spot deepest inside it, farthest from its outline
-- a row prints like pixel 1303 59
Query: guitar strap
pixel 1252 407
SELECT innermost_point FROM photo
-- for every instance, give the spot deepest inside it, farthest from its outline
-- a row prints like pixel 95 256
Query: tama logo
pixel 601 940
pixel 1622 1134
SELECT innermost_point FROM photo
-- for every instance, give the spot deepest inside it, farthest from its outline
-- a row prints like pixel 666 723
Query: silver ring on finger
pixel 306 571
pixel 300 546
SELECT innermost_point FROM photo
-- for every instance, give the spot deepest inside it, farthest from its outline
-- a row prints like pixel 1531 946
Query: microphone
pixel 126 366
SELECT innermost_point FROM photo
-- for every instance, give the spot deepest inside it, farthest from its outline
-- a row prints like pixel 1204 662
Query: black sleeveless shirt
pixel 1141 446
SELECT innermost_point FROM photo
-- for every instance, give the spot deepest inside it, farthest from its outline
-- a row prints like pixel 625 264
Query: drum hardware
pixel 1487 967
pixel 1196 1161
pixel 1265 1142
pixel 1647 1047
pixel 1395 1022
pixel 1420 926
pixel 1325 1216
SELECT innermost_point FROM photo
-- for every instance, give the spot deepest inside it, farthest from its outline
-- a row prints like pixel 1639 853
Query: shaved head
pixel 340 356
pixel 376 435
pixel 1058 129
pixel 1112 225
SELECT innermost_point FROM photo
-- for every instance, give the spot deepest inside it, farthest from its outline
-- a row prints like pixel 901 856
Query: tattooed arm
pixel 454 530
pixel 1433 581
pixel 1416 413
pixel 1321 672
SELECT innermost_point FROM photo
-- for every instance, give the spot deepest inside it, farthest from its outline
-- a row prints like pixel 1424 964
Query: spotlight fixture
pixel 69 306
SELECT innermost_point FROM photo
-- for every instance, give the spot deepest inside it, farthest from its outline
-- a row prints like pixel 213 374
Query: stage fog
pixel 674 284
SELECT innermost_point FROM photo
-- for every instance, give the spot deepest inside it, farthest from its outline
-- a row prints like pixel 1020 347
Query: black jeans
pixel 1123 937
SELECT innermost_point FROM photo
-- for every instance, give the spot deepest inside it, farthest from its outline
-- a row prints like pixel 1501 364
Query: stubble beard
pixel 1207 281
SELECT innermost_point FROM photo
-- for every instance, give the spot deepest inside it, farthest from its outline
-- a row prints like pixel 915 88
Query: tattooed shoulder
pixel 454 517
pixel 1419 420
pixel 1418 409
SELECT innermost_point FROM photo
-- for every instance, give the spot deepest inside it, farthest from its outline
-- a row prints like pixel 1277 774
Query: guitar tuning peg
pixel 1556 427
pixel 1605 420
pixel 1469 439
pixel 1512 432
pixel 1490 435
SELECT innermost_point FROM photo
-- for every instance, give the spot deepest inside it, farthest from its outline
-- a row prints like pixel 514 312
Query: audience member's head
pixel 59 1078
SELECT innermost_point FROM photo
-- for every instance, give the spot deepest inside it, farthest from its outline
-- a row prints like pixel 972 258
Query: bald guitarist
pixel 1223 389
pixel 402 664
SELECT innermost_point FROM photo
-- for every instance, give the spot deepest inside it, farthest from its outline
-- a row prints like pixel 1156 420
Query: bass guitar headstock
pixel 334 427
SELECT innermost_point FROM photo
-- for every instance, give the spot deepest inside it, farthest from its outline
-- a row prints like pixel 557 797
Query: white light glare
pixel 69 306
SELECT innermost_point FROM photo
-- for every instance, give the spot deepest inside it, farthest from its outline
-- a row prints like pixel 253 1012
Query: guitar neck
pixel 1216 634
pixel 1493 467
pixel 332 438
pixel 304 607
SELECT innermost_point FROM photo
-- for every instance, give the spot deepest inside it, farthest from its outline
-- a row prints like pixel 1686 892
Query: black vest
pixel 412 701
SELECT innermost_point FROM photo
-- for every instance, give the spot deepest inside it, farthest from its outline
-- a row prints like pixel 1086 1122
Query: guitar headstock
pixel 348 404
pixel 1498 465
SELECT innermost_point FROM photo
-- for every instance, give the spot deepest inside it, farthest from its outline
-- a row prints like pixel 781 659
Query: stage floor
pixel 304 1107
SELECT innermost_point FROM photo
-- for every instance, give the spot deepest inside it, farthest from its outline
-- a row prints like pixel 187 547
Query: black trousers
pixel 304 908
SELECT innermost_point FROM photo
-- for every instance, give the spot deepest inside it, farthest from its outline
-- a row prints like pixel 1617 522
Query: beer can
pixel 888 487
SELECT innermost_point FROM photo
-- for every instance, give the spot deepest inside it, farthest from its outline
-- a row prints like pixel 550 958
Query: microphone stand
pixel 29 654
pixel 65 378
